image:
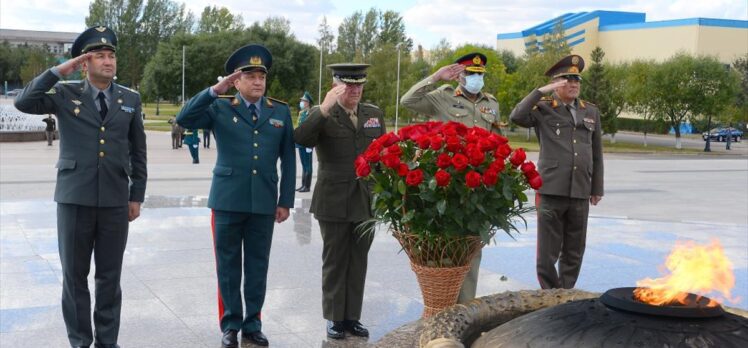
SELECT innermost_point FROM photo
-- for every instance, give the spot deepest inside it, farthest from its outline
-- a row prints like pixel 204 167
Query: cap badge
pixel 476 60
pixel 255 60
pixel 101 29
pixel 574 60
pixel 574 69
pixel 103 40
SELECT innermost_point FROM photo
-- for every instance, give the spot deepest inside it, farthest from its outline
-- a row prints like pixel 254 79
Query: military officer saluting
pixel 252 132
pixel 466 104
pixel 571 166
pixel 101 179
pixel 341 128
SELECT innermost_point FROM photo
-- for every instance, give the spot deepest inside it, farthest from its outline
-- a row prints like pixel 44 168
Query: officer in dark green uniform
pixel 571 166
pixel 305 153
pixel 192 139
pixel 252 133
pixel 341 128
pixel 101 178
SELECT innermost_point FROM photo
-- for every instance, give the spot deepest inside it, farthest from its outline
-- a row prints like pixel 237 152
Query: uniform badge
pixel 558 131
pixel 235 119
pixel 589 120
pixel 372 123
pixel 76 102
pixel 119 100
pixel 52 91
pixel 458 106
pixel 276 123
pixel 127 109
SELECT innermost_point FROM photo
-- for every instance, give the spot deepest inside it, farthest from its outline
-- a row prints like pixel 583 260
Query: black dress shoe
pixel 256 337
pixel 335 329
pixel 100 345
pixel 229 339
pixel 356 328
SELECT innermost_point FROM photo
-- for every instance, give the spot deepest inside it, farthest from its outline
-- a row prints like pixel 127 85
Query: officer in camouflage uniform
pixel 341 128
pixel 465 104
pixel 571 166
pixel 101 179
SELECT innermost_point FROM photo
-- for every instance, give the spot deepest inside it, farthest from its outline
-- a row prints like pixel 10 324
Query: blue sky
pixel 427 21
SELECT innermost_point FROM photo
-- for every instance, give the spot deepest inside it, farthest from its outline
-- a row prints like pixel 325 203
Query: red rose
pixel 436 142
pixel 472 138
pixel 460 162
pixel 442 178
pixel 450 131
pixel 527 167
pixel 394 150
pixel 414 177
pixel 391 161
pixel 363 170
pixel 443 160
pixel 503 150
pixel 371 155
pixel 423 142
pixel 536 182
pixel 453 144
pixel 472 179
pixel 499 139
pixel 490 177
pixel 360 160
pixel 518 157
pixel 531 174
pixel 486 145
pixel 497 165
pixel 476 157
pixel 388 139
pixel 402 170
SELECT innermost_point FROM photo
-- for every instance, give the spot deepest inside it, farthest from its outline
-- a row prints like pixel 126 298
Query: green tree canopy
pixel 215 19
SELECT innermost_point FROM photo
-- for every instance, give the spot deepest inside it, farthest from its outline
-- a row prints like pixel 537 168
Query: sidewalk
pixel 169 284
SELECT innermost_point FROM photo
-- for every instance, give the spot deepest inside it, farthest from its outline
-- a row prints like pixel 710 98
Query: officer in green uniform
pixel 571 166
pixel 341 128
pixel 192 139
pixel 305 153
pixel 252 133
pixel 466 104
pixel 101 179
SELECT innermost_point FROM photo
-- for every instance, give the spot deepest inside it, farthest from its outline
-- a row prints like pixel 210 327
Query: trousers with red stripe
pixel 232 233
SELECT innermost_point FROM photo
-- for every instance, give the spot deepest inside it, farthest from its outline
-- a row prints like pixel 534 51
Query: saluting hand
pixel 331 98
pixel 227 82
pixel 448 73
pixel 551 86
pixel 71 65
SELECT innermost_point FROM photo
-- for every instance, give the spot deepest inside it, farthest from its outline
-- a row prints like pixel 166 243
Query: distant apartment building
pixel 626 36
pixel 58 43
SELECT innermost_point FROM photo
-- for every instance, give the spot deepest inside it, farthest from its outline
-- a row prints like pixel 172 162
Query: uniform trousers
pixel 81 231
pixel 345 254
pixel 562 233
pixel 232 232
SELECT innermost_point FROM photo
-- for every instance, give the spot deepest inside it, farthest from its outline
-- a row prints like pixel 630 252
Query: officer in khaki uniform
pixel 571 166
pixel 252 133
pixel 101 179
pixel 341 128
pixel 466 104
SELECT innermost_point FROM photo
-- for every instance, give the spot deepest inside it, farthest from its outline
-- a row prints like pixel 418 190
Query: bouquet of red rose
pixel 438 182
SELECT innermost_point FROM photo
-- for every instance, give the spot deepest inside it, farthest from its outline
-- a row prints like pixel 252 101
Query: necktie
pixel 102 105
pixel 354 118
pixel 253 112
pixel 571 112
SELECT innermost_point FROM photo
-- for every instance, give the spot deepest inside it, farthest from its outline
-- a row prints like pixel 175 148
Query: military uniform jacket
pixel 101 164
pixel 571 155
pixel 245 178
pixel 338 194
pixel 447 103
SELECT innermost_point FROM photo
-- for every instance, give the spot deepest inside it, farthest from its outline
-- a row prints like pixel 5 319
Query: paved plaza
pixel 169 282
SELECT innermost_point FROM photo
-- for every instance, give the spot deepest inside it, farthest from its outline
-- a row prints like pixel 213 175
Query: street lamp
pixel 397 89
pixel 183 62
pixel 319 88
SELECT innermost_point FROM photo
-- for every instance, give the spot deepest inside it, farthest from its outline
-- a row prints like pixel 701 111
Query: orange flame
pixel 693 268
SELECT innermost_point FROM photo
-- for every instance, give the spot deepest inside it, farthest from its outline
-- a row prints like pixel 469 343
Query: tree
pixel 348 36
pixel 685 86
pixel 438 53
pixel 326 39
pixel 638 84
pixel 36 61
pixel 368 33
pixel 597 89
pixel 360 34
pixel 214 20
pixel 510 60
pixel 392 31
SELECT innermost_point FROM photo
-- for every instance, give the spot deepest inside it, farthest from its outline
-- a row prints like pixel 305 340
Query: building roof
pixel 37 36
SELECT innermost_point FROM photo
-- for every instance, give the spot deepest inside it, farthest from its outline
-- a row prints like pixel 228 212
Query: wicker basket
pixel 440 286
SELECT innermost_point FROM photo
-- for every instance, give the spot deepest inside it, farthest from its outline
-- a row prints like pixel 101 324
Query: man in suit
pixel 571 166
pixel 466 104
pixel 101 179
pixel 341 128
pixel 252 133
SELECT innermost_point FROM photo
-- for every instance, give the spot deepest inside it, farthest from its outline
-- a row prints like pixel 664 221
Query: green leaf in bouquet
pixel 441 206
pixel 401 187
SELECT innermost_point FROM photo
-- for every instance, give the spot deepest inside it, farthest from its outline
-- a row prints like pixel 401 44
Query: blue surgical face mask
pixel 301 105
pixel 474 83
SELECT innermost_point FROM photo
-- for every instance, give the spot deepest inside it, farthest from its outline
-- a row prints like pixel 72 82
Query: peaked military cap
pixel 249 58
pixel 308 97
pixel 473 62
pixel 350 73
pixel 93 39
pixel 568 66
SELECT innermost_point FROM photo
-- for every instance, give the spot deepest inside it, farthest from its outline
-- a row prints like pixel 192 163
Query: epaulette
pixel 370 105
pixel 546 98
pixel 129 89
pixel 583 103
pixel 225 96
pixel 490 96
pixel 51 91
pixel 276 100
pixel 446 87
pixel 69 81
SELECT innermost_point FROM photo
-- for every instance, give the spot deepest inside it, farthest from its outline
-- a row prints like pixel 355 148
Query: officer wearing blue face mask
pixel 466 104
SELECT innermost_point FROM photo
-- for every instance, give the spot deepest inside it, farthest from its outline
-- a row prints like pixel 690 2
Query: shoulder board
pixel 225 96
pixel 51 91
pixel 446 87
pixel 489 95
pixel 277 101
pixel 546 98
pixel 586 102
pixel 128 89
pixel 69 81
pixel 370 105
